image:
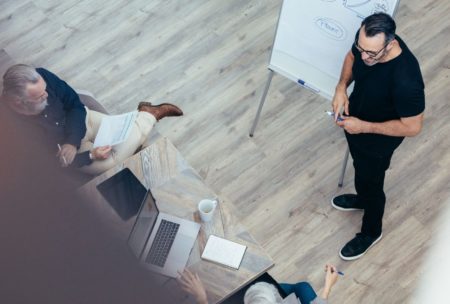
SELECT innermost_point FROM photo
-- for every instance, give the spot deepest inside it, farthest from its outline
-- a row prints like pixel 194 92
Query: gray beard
pixel 36 109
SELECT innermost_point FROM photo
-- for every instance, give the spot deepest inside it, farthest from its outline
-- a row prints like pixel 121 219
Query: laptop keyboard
pixel 162 243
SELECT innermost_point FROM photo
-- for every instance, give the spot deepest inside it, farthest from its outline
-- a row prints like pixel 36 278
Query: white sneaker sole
pixel 343 209
pixel 360 255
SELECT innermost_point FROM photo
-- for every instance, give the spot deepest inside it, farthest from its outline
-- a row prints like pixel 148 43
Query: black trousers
pixel 370 168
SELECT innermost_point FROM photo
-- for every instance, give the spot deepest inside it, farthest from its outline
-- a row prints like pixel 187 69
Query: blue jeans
pixel 302 290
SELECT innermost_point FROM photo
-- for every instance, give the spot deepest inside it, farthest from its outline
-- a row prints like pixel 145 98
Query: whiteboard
pixel 313 37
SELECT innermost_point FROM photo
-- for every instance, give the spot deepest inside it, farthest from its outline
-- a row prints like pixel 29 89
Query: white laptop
pixel 160 241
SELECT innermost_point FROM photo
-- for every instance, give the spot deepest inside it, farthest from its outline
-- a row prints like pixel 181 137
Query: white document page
pixel 115 129
pixel 223 252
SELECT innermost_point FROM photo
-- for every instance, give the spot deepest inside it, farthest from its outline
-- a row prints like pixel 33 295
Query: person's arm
pixel 346 73
pixel 75 128
pixel 75 115
pixel 75 124
pixel 81 159
pixel 86 158
pixel 192 284
pixel 405 126
pixel 340 99
pixel 330 279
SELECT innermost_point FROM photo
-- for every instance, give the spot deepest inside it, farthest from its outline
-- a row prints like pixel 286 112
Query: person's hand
pixel 340 100
pixel 101 153
pixel 330 279
pixel 192 284
pixel 353 125
pixel 67 154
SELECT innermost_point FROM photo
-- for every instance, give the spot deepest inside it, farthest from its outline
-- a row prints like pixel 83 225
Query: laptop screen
pixel 145 221
pixel 124 192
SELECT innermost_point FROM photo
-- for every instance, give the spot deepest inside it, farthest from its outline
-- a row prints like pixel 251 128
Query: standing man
pixel 40 100
pixel 386 105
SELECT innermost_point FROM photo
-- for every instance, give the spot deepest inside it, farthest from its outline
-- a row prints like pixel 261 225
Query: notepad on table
pixel 223 252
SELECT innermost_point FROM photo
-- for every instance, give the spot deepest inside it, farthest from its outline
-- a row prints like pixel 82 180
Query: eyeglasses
pixel 371 54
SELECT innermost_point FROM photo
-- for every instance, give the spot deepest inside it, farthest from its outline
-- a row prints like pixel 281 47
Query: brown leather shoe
pixel 160 111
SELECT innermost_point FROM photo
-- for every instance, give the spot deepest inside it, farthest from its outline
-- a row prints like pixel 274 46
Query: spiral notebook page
pixel 223 252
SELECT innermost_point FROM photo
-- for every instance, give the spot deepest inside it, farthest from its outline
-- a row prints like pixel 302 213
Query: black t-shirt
pixel 385 91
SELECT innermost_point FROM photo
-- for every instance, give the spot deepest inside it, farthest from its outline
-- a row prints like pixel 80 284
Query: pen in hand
pixel 64 159
pixel 338 271
pixel 339 118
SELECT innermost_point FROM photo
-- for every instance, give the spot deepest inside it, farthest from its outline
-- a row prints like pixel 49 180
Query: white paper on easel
pixel 114 129
pixel 223 252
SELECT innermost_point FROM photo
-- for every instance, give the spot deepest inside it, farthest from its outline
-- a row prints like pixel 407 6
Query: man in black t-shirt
pixel 386 105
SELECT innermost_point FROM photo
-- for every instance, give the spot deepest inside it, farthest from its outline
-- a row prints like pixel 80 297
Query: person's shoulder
pixel 47 75
pixel 43 72
pixel 407 66
pixel 407 56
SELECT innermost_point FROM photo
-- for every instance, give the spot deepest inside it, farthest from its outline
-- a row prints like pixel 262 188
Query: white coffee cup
pixel 206 209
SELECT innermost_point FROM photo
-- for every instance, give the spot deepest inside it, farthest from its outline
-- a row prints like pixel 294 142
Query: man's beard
pixel 36 108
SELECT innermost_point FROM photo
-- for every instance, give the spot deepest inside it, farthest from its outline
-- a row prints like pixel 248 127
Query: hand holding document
pixel 115 129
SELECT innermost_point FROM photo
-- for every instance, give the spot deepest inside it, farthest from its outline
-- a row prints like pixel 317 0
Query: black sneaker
pixel 346 202
pixel 357 247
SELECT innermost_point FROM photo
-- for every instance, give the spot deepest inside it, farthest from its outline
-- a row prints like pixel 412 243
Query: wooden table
pixel 178 188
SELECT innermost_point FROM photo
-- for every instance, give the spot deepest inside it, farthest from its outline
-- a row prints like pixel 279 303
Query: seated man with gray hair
pixel 41 100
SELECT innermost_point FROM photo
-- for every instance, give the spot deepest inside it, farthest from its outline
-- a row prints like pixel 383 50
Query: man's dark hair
pixel 379 23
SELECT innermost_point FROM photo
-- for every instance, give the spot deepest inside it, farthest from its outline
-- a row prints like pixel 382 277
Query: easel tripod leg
pixel 344 166
pixel 261 103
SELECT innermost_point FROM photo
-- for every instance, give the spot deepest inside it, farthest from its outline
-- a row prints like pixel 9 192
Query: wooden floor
pixel 210 57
